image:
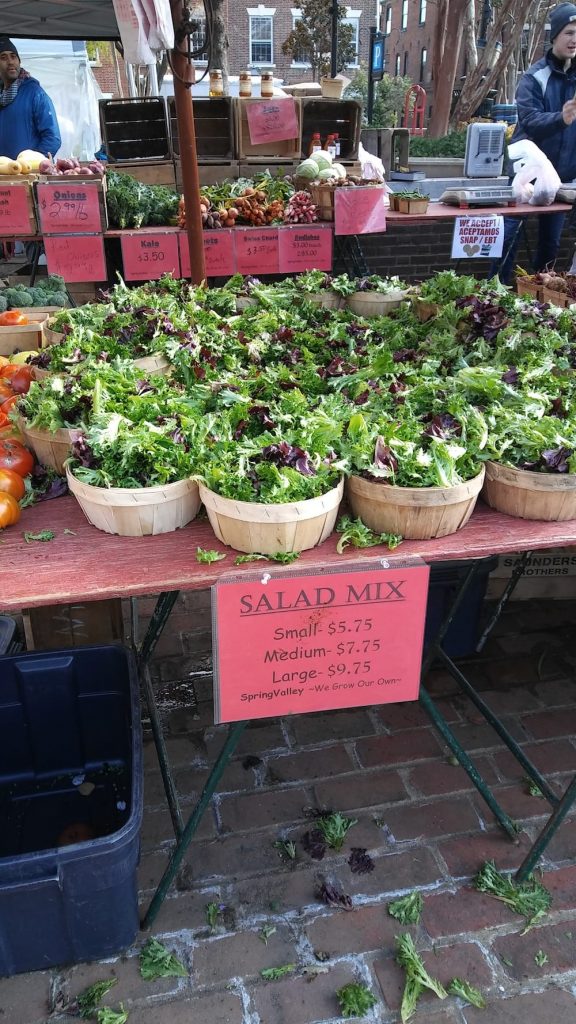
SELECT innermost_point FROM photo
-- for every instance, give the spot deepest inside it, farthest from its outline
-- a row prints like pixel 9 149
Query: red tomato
pixel 9 404
pixel 13 317
pixel 5 391
pixel 14 455
pixel 20 382
pixel 3 419
pixel 11 483
pixel 8 370
pixel 9 510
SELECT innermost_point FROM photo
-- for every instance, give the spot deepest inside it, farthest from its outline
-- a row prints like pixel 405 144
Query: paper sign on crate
pixel 16 217
pixel 477 237
pixel 76 257
pixel 272 121
pixel 257 250
pixel 69 207
pixel 305 247
pixel 147 255
pixel 359 210
pixel 219 253
pixel 290 643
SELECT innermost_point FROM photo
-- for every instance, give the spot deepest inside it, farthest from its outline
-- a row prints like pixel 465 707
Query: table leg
pixel 547 833
pixel 460 754
pixel 234 733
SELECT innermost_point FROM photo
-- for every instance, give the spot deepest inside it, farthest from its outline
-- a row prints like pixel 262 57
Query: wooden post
pixel 188 156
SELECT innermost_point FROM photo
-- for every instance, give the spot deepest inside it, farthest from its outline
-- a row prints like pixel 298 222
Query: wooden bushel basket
pixel 266 529
pixel 526 495
pixel 417 513
pixel 138 511
pixel 327 299
pixel 51 448
pixel 154 364
pixel 374 303
pixel 323 199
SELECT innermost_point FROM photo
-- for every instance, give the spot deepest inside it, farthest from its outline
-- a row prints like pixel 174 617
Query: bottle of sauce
pixel 266 85
pixel 245 84
pixel 216 83
pixel 330 146
pixel 315 144
pixel 337 144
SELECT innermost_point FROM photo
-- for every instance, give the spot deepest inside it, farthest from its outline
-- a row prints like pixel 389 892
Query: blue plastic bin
pixel 70 806
pixel 445 578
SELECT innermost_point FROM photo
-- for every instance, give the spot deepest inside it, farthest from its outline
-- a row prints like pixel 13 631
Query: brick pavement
pixel 417 815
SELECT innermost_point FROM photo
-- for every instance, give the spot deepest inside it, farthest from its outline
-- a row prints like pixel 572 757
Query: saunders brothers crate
pixel 328 117
pixel 214 126
pixel 135 129
pixel 275 112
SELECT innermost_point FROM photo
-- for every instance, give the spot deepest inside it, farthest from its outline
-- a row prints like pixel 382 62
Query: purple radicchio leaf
pixel 511 376
pixel 383 456
pixel 333 896
pixel 314 844
pixel 555 460
pixel 360 861
pixel 444 426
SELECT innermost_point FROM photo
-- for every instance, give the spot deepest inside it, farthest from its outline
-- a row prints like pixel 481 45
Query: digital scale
pixel 491 195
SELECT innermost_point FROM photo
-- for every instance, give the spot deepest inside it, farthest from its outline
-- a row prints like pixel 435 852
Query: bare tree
pixel 447 41
pixel 499 68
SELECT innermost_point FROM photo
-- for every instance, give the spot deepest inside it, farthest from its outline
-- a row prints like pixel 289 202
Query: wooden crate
pixel 214 125
pixel 25 337
pixel 287 149
pixel 210 174
pixel 24 181
pixel 73 625
pixel 280 167
pixel 135 129
pixel 327 116
pixel 150 172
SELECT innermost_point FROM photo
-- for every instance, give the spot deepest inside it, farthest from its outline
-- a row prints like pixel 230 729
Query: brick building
pixel 255 37
pixel 408 26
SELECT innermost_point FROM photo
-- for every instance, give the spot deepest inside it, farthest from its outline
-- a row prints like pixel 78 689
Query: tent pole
pixel 188 156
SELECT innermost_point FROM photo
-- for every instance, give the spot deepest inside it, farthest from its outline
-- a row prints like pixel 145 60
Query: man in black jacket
pixel 546 102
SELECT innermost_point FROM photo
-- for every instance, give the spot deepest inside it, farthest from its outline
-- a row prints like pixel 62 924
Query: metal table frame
pixel 184 831
pixel 82 564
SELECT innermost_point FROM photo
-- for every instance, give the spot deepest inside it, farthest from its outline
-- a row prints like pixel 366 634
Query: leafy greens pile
pixel 273 401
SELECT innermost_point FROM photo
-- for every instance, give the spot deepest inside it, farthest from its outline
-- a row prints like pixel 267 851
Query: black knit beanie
pixel 559 18
pixel 7 46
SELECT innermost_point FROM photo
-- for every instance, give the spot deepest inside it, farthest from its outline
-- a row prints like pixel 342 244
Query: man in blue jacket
pixel 546 102
pixel 27 116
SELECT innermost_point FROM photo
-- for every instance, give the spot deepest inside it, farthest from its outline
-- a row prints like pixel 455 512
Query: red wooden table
pixel 441 211
pixel 88 565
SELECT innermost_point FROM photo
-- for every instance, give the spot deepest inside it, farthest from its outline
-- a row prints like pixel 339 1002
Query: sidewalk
pixel 419 818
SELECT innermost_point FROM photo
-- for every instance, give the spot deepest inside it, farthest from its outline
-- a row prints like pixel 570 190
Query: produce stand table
pixel 82 564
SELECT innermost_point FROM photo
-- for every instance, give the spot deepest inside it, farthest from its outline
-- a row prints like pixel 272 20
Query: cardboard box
pixel 549 575
pixel 21 338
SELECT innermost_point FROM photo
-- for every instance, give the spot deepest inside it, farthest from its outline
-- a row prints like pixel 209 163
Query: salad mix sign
pixel 288 644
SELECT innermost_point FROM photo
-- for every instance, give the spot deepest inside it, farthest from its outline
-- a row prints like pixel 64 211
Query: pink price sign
pixel 272 121
pixel 76 257
pixel 288 644
pixel 219 253
pixel 257 250
pixel 148 255
pixel 305 247
pixel 69 207
pixel 359 211
pixel 15 210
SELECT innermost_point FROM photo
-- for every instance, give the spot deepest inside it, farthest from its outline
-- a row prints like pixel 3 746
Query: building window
pixel 198 37
pixel 261 38
pixel 298 57
pixel 423 60
pixel 353 19
pixel 388 24
pixel 404 18
pixel 405 68
pixel 397 65
pixel 422 17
